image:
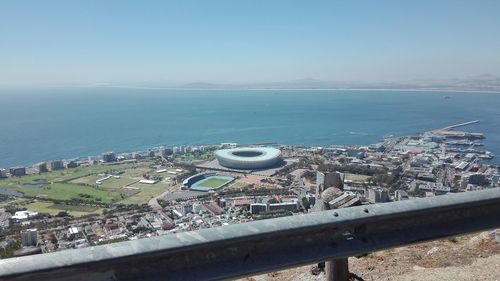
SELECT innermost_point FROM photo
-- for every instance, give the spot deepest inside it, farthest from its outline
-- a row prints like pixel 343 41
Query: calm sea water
pixel 39 125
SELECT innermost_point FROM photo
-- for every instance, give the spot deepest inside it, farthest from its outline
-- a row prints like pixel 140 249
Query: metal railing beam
pixel 268 245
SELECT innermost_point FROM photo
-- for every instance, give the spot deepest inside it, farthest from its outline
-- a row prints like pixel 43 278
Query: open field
pixel 115 184
pixel 250 179
pixel 146 192
pixel 239 185
pixel 111 183
pixel 136 172
pixel 67 192
pixel 85 180
pixel 79 185
pixel 68 174
pixel 356 178
pixel 54 209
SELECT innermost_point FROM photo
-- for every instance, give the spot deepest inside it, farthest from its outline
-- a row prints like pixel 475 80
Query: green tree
pixel 62 214
pixel 306 203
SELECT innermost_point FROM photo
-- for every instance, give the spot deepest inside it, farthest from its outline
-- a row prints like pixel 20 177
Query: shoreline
pixel 154 148
pixel 147 148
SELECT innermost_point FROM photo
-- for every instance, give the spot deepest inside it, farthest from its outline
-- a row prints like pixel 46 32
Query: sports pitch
pixel 213 182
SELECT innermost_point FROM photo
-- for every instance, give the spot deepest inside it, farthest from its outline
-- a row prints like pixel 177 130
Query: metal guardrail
pixel 268 245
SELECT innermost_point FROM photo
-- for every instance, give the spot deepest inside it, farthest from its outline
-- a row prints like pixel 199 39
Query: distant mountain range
pixel 485 83
pixel 478 83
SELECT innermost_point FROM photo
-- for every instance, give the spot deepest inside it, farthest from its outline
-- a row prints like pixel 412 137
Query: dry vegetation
pixel 464 258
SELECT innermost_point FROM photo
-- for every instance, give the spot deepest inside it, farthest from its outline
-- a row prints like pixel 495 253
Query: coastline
pixel 356 117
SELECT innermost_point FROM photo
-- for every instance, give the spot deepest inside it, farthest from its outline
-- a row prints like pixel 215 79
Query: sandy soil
pixel 464 258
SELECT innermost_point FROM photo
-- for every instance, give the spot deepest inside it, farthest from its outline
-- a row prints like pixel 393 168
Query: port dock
pixel 449 130
pixel 459 125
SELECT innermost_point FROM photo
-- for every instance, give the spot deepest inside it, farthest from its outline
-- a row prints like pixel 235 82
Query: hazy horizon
pixel 228 42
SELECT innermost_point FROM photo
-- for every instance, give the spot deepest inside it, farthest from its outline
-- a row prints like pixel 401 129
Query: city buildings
pixel 370 179
pixel 257 208
pixel 56 165
pixel 72 164
pixel 29 237
pixel 378 195
pixel 326 180
pixel 108 157
pixel 400 195
pixel 42 167
pixel 17 171
pixel 285 206
pixel 5 220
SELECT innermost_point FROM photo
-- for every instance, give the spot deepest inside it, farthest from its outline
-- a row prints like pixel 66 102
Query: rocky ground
pixel 464 258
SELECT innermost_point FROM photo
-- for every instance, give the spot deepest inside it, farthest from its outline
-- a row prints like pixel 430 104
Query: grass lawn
pixel 54 209
pixel 66 191
pixel 69 184
pixel 147 191
pixel 113 183
pixel 356 178
pixel 67 174
pixel 136 172
pixel 213 182
pixel 85 180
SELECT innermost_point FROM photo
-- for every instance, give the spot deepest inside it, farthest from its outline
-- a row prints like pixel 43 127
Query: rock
pixel 497 235
pixel 475 241
pixel 416 267
pixel 486 235
pixel 433 250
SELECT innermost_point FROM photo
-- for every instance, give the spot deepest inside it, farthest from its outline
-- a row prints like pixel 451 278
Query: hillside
pixel 464 258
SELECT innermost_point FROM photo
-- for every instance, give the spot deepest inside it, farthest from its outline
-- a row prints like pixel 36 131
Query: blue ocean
pixel 40 125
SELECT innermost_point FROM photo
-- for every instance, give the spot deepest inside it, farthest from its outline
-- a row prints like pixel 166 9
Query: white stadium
pixel 248 158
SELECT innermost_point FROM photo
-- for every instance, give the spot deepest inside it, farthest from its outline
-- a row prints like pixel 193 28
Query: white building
pixel 23 215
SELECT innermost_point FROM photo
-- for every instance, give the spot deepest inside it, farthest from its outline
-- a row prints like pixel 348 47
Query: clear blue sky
pixel 75 42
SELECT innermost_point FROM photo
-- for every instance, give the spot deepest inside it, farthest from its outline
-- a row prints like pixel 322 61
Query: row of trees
pixel 352 169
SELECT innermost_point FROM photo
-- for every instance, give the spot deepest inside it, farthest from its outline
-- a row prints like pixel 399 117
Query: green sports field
pixel 212 182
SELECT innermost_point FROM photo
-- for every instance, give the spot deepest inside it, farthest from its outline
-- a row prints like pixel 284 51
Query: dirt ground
pixel 251 179
pixel 464 258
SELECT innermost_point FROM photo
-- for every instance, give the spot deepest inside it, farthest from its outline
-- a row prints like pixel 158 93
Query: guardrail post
pixel 337 270
pixel 332 196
